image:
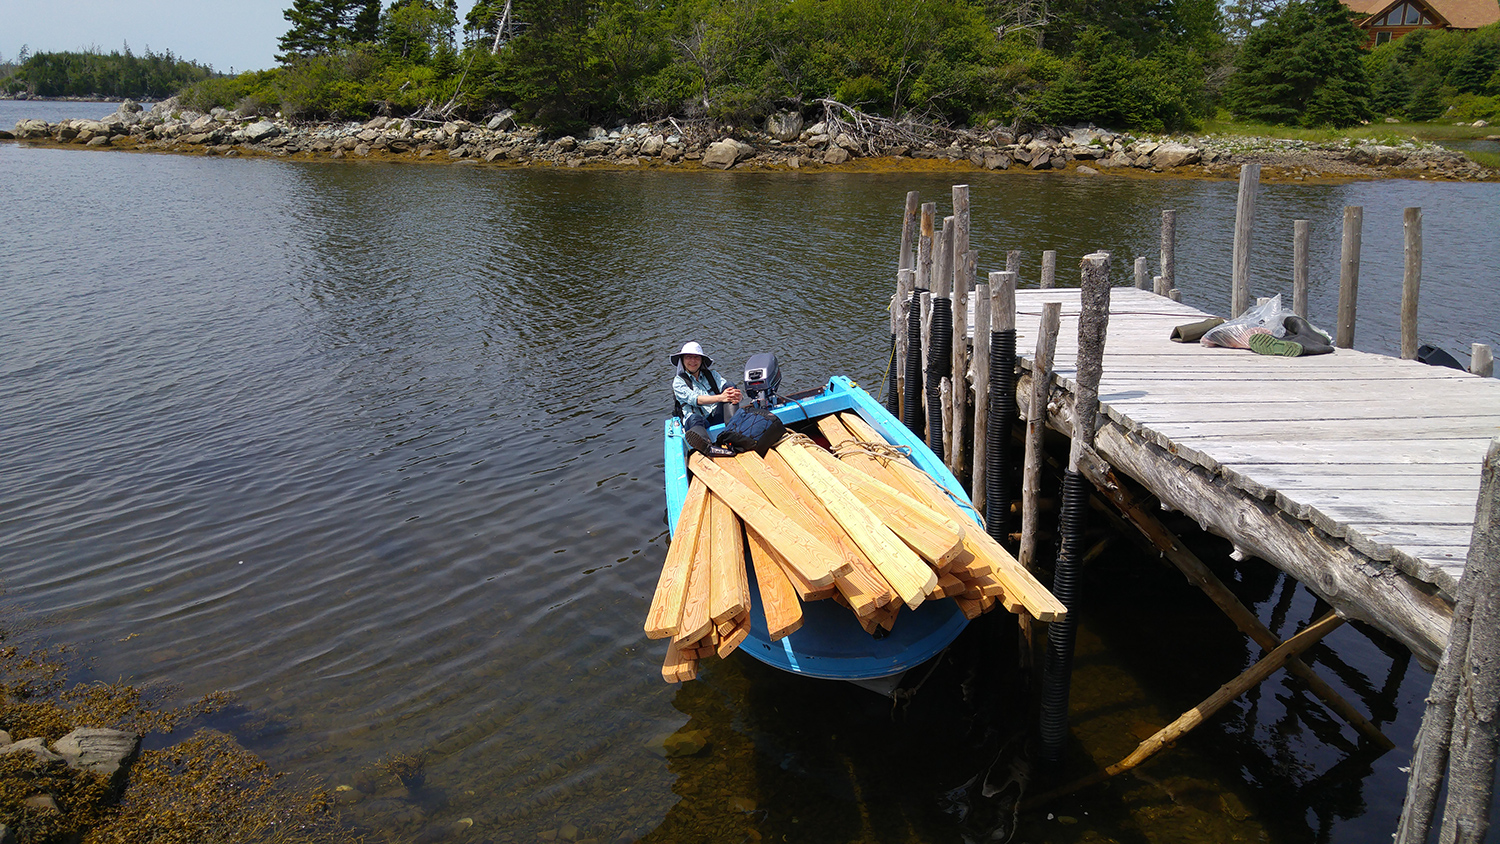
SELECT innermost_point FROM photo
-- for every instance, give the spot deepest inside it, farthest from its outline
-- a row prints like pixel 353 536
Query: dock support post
pixel 1411 282
pixel 1093 325
pixel 982 342
pixel 963 280
pixel 1002 410
pixel 914 409
pixel 1049 269
pixel 905 282
pixel 1481 360
pixel 1168 248
pixel 1465 697
pixel 1141 273
pixel 940 350
pixel 1036 431
pixel 905 264
pixel 1299 267
pixel 1244 228
pixel 1354 216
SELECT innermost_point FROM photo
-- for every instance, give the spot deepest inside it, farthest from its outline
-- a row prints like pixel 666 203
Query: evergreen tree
pixel 1303 66
pixel 315 28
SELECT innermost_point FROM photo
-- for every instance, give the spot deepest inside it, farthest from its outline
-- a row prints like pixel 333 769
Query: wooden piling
pixel 911 222
pixel 1411 281
pixel 905 282
pixel 1141 273
pixel 1013 262
pixel 1169 248
pixel 1299 267
pixel 1244 228
pixel 982 308
pixel 1049 269
pixel 1036 430
pixel 1462 703
pixel 963 281
pixel 1349 276
pixel 1481 360
pixel 1093 327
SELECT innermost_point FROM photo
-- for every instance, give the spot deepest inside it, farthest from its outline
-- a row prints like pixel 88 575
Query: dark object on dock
pixel 1433 356
pixel 911 415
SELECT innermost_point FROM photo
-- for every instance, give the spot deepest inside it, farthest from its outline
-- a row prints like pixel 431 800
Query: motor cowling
pixel 762 379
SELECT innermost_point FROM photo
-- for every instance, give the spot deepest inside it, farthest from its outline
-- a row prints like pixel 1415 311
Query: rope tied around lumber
pixel 884 452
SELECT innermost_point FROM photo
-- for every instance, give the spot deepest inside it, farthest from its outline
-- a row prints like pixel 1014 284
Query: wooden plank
pixel 663 618
pixel 935 537
pixel 811 558
pixel 908 576
pixel 862 585
pixel 678 667
pixel 739 631
pixel 778 597
pixel 695 623
pixel 728 590
pixel 1019 583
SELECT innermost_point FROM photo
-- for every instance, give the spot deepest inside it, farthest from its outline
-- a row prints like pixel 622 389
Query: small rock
pixel 1085 170
pixel 835 155
pixel 35 746
pixel 45 802
pixel 1233 807
pixel 689 743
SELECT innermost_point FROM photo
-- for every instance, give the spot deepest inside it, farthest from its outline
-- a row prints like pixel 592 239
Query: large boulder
pixel 100 751
pixel 835 155
pixel 1170 155
pixel 32 129
pixel 505 119
pixel 784 126
pixel 725 153
pixel 1376 156
pixel 263 130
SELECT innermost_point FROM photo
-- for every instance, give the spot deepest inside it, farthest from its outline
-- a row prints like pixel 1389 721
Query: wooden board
pixel 663 618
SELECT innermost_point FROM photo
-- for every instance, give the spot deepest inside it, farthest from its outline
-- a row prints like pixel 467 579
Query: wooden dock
pixel 1355 473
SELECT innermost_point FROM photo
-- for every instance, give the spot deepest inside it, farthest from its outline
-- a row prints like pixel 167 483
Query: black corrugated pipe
pixel 1058 671
pixel 911 414
pixel 939 365
pixel 1002 419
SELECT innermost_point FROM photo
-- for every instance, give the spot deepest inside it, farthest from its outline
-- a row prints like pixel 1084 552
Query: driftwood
pixel 1258 672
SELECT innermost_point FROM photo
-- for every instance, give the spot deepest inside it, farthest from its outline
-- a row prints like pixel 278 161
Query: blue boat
pixel 831 644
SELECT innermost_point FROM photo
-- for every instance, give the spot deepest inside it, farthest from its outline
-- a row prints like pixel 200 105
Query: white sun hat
pixel 691 347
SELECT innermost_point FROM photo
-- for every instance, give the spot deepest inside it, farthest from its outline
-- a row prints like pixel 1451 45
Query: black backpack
pixel 753 428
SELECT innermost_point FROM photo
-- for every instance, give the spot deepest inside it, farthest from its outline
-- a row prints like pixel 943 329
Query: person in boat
pixel 702 395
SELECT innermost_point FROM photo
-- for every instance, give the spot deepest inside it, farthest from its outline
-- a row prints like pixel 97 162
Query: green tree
pixel 1303 66
pixel 320 27
pixel 419 30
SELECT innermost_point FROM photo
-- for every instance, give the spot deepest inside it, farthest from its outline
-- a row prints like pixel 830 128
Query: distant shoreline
pixel 1085 152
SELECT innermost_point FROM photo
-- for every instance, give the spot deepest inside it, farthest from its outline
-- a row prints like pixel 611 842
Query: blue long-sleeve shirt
pixel 687 388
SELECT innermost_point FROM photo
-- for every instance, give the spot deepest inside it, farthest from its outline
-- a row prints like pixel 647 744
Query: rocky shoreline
pixel 785 144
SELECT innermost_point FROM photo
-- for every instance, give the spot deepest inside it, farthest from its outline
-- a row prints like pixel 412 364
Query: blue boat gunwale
pixel 831 644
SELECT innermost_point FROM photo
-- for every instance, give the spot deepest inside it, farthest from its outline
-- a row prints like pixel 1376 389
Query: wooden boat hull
pixel 831 644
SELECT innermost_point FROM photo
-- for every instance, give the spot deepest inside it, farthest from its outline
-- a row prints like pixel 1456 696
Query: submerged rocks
pixel 786 143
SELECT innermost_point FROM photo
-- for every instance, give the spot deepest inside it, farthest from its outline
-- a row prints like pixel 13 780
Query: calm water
pixel 377 448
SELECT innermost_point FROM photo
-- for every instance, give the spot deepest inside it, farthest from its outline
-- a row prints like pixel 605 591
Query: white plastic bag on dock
pixel 1265 318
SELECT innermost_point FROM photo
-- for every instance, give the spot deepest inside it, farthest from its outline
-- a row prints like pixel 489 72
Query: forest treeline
pixel 1148 65
pixel 93 73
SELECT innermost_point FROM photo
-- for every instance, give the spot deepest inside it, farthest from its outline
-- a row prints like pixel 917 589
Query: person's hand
pixel 731 394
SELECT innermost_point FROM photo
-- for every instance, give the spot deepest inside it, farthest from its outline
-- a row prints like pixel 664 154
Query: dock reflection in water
pixel 377 448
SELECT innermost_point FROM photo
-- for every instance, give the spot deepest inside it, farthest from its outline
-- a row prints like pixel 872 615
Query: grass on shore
pixel 1381 133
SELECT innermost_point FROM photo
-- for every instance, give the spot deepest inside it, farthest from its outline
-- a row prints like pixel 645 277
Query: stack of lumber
pixel 860 525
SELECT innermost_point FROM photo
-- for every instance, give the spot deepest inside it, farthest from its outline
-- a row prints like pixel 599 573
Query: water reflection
pixel 377 447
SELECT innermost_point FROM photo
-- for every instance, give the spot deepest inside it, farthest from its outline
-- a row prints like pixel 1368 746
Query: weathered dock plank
pixel 1356 473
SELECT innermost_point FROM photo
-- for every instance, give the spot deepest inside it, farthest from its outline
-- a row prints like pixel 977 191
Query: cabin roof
pixel 1460 14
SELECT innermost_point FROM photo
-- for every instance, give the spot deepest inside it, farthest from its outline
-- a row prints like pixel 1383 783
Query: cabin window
pixel 1382 38
pixel 1406 14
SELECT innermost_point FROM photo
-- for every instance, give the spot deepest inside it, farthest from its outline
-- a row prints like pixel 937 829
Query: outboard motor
pixel 762 380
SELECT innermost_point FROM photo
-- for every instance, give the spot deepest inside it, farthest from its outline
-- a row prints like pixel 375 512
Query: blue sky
pixel 238 34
